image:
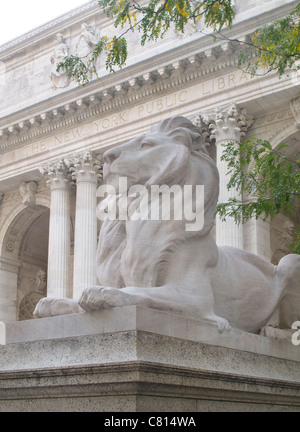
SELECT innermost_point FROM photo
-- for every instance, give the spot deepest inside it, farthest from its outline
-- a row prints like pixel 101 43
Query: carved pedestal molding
pixel 227 125
pixel 86 172
pixel 59 229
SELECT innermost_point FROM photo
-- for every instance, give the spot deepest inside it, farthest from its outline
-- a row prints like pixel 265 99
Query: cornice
pixel 115 97
pixel 195 60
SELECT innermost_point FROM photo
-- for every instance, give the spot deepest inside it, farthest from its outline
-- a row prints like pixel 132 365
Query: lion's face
pixel 172 153
pixel 155 158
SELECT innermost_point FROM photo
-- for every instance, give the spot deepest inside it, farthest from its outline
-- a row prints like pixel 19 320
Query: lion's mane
pixel 187 164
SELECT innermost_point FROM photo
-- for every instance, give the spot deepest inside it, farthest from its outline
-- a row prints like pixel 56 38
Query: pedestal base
pixel 138 359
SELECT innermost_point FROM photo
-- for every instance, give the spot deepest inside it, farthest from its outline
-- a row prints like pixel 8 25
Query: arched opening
pixel 24 253
pixel 33 256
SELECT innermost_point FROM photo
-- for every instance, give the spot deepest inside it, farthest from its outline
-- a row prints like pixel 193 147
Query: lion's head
pixel 171 153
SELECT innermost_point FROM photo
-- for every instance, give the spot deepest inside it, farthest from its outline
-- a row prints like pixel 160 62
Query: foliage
pixel 275 46
pixel 273 180
pixel 155 18
pixel 267 177
pixel 152 20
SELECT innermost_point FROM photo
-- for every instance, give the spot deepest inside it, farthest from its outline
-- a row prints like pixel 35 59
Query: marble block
pixel 140 359
pixel 131 318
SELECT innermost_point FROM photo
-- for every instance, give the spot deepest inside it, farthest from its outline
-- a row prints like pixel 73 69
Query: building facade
pixel 53 132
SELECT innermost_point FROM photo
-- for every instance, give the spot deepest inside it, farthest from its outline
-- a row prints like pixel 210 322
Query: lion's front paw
pixel 43 308
pixel 48 307
pixel 91 299
pixel 99 297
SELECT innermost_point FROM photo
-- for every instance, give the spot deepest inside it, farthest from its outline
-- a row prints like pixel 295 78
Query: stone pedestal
pixel 139 359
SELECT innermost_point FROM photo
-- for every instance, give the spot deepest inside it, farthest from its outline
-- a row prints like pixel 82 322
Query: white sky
pixel 20 16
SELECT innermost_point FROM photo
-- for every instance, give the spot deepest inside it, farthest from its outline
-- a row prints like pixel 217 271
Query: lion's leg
pixel 49 306
pixel 163 298
pixel 100 297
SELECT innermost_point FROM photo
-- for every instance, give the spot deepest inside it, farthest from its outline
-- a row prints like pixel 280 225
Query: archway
pixel 24 252
pixel 33 257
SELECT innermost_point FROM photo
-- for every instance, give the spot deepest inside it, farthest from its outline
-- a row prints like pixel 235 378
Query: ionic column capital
pixel 227 124
pixel 86 167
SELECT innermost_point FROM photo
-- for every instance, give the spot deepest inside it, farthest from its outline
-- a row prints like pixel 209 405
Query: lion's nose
pixel 111 155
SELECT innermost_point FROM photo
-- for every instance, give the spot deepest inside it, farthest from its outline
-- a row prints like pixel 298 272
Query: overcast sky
pixel 20 16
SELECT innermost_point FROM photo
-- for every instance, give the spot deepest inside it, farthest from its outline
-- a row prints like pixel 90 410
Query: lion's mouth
pixel 121 182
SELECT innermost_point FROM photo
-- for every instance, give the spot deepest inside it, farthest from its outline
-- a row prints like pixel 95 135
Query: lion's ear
pixel 192 140
pixel 172 169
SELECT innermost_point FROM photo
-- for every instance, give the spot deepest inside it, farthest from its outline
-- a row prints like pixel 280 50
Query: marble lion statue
pixel 163 265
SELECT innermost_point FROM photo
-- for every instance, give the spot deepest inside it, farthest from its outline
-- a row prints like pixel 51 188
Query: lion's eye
pixel 146 145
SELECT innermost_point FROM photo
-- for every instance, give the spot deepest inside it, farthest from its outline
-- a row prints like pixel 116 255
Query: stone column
pixel 59 230
pixel 227 125
pixel 86 172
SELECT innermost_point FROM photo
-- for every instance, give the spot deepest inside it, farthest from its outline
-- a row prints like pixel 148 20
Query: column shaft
pixel 228 233
pixel 59 231
pixel 59 244
pixel 86 172
pixel 227 125
pixel 85 245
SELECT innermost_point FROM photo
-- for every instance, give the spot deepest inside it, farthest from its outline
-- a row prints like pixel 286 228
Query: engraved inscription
pixel 163 104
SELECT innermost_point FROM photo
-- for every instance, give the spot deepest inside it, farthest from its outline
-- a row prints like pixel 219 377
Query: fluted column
pixel 228 125
pixel 59 230
pixel 86 172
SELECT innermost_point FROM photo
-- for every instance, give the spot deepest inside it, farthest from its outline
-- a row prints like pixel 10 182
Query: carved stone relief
pixel 10 246
pixel 295 108
pixel 87 42
pixel 283 238
pixel 38 291
pixel 59 79
pixel 28 191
